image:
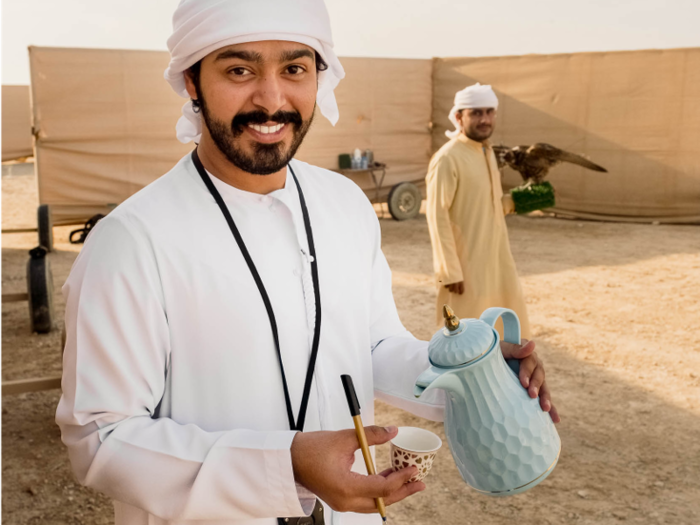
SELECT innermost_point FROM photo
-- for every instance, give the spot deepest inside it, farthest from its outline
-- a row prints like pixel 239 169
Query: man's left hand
pixel 531 373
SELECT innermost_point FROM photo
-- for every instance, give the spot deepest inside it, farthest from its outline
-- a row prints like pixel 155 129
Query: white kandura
pixel 172 396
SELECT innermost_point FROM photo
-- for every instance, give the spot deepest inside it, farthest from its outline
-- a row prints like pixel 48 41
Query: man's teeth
pixel 266 129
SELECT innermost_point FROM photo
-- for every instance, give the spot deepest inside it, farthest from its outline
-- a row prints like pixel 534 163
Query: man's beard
pixel 478 136
pixel 265 158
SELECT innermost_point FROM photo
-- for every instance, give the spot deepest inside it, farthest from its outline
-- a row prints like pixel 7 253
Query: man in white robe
pixel 173 403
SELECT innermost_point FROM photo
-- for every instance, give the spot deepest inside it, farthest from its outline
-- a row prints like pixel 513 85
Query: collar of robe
pixel 473 143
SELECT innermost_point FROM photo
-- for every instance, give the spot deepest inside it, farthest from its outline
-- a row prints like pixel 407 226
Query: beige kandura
pixel 466 216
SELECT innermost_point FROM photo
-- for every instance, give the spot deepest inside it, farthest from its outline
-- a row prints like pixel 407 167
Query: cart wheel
pixel 404 201
pixel 40 291
pixel 45 227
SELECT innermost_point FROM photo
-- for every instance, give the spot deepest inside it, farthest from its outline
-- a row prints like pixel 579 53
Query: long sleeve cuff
pixel 397 363
pixel 178 472
pixel 307 499
pixel 508 204
pixel 451 277
pixel 280 473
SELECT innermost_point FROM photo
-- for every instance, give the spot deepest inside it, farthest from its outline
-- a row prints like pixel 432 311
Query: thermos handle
pixel 511 323
pixel 511 329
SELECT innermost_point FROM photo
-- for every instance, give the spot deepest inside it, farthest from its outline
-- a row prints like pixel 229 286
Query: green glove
pixel 533 197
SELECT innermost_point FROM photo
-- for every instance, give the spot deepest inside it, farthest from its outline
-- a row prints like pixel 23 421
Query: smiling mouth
pixel 266 130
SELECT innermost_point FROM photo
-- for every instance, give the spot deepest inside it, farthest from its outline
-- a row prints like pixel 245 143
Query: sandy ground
pixel 616 315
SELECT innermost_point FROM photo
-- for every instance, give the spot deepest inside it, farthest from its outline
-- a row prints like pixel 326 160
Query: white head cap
pixel 476 96
pixel 201 27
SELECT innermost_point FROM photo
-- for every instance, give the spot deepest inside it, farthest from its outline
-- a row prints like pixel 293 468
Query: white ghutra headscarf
pixel 201 27
pixel 476 96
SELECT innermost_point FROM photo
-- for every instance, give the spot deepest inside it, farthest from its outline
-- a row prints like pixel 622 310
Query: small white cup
pixel 414 446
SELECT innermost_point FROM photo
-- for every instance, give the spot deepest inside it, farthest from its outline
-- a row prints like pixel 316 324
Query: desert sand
pixel 615 310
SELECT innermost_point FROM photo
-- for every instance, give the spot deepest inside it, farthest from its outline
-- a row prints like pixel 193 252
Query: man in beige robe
pixel 466 212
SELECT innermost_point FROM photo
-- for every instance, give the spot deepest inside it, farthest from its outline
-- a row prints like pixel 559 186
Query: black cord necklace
pixel 299 424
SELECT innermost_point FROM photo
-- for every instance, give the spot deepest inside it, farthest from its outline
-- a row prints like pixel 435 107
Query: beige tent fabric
pixel 468 232
pixel 636 113
pixel 16 123
pixel 385 105
pixel 106 124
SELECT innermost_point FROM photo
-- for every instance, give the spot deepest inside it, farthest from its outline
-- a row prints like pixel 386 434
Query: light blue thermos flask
pixel 501 440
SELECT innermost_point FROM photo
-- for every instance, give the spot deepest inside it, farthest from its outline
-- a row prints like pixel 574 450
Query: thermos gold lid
pixel 451 320
pixel 460 342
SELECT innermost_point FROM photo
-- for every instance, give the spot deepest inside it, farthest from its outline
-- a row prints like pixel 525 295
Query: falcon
pixel 534 162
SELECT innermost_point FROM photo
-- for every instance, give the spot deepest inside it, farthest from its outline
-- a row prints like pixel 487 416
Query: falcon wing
pixel 553 156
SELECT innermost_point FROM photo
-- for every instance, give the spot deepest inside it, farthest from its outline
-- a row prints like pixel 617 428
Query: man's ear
pixel 458 115
pixel 189 84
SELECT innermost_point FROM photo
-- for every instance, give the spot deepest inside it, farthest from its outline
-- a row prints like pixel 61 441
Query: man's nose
pixel 269 94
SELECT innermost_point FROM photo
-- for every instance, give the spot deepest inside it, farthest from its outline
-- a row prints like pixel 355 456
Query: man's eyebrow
pixel 290 56
pixel 248 56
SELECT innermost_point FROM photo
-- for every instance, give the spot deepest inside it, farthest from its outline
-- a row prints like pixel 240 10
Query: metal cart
pixel 403 199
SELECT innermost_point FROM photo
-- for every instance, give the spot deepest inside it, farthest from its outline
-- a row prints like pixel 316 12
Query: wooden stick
pixel 14 297
pixel 21 386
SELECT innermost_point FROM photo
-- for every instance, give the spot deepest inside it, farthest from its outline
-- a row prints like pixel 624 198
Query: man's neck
pixel 216 163
pixel 481 142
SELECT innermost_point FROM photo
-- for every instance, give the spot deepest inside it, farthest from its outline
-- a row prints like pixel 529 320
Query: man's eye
pixel 295 70
pixel 239 71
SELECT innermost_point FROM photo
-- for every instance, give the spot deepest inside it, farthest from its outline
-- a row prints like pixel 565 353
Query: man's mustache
pixel 261 117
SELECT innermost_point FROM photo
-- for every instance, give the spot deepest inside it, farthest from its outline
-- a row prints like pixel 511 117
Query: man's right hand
pixel 322 463
pixel 457 288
